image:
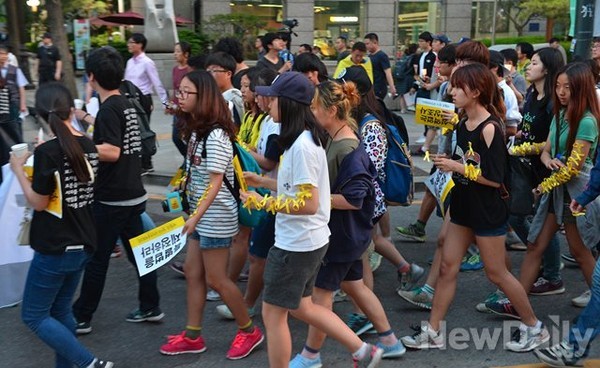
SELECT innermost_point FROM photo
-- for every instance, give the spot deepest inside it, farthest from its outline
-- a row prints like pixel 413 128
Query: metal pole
pixel 395 38
pixel 495 15
pixel 584 28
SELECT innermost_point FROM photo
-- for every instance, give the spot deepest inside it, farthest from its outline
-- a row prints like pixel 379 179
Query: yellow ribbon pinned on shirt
pixel 470 151
pixel 426 157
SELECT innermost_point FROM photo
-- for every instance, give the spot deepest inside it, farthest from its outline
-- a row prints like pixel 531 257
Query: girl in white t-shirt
pixel 301 232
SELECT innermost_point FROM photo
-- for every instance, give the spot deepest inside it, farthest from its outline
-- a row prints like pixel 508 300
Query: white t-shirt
pixel 267 129
pixel 303 163
pixel 221 218
pixel 513 116
pixel 234 96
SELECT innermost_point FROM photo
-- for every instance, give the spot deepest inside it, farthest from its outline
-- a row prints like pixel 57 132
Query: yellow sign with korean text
pixel 158 246
pixel 429 112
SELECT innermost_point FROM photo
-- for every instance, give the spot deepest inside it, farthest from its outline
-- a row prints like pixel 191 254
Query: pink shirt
pixel 141 71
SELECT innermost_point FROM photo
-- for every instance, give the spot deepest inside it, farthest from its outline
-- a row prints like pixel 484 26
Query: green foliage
pixel 84 8
pixel 514 40
pixel 555 9
pixel 198 41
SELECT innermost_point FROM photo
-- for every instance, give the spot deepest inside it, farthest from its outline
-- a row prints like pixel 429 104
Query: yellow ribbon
pixel 202 197
pixel 565 173
pixel 578 213
pixel 470 151
pixel 527 149
pixel 472 172
pixel 426 158
pixel 280 203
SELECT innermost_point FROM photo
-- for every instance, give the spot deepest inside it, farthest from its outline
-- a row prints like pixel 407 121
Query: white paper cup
pixel 78 103
pixel 20 149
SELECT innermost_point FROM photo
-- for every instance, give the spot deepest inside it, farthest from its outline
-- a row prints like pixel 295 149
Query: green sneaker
pixel 417 297
pixel 492 298
pixel 374 260
pixel 412 232
pixel 359 323
pixel 471 263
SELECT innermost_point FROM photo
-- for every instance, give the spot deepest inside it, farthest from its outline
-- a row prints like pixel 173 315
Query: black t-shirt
pixel 472 204
pixel 117 124
pixel 535 127
pixel 381 62
pixel 50 234
pixel 48 56
pixel 263 62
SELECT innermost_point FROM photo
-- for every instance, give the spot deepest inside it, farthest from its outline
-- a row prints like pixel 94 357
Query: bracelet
pixel 565 173
pixel 280 203
pixel 472 172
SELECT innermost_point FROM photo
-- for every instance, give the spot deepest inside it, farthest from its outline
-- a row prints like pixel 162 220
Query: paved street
pixel 136 345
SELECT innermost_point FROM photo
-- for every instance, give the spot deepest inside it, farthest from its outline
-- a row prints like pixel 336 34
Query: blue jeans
pixel 587 326
pixel 51 283
pixel 113 222
pixel 551 259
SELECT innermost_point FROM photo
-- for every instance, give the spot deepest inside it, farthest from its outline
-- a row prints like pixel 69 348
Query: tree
pixel 520 12
pixel 59 37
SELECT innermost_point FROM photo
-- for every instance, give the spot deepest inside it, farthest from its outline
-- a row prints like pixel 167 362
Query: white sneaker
pixel 213 296
pixel 421 139
pixel 527 338
pixel 582 300
pixel 424 338
pixel 223 311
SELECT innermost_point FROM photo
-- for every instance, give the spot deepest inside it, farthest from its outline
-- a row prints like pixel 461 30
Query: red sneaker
pixel 179 344
pixel 244 343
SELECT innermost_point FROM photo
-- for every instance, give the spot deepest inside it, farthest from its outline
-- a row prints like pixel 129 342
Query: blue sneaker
pixel 359 323
pixel 394 351
pixel 471 263
pixel 302 362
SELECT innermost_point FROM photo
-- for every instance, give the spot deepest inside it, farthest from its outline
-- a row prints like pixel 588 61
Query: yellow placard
pixel 55 202
pixel 429 112
pixel 157 232
pixel 237 167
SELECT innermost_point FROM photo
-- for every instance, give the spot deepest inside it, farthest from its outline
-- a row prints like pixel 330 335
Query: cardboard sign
pixel 158 246
pixel 429 112
pixel 440 184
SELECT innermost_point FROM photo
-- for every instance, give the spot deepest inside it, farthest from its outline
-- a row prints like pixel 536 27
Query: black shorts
pixel 290 276
pixel 332 274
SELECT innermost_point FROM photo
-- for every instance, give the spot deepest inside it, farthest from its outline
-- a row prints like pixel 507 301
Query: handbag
pixel 521 183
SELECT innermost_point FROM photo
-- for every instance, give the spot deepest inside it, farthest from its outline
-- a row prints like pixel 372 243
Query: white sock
pixel 362 352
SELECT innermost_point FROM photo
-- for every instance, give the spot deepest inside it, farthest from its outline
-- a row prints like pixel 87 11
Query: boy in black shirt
pixel 120 197
pixel 50 65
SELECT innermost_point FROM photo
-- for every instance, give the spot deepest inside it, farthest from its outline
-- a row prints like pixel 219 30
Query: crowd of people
pixel 520 156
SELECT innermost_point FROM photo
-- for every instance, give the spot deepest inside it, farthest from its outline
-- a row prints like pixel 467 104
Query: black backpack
pixel 148 137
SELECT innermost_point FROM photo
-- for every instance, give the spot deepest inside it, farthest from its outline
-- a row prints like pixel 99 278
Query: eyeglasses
pixel 184 94
pixel 217 70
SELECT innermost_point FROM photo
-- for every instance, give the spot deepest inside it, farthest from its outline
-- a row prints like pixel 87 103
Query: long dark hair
pixel 552 61
pixel 53 102
pixel 478 77
pixel 295 119
pixel 211 108
pixel 368 105
pixel 583 98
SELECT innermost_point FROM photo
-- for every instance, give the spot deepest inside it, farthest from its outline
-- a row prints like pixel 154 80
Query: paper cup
pixel 78 103
pixel 20 149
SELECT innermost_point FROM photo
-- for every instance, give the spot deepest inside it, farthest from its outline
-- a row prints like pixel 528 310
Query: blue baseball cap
pixel 292 85
pixel 442 38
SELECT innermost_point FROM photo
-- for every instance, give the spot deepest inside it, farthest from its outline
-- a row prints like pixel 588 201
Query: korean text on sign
pixel 429 112
pixel 158 246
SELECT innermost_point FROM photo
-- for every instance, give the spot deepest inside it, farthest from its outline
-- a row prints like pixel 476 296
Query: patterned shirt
pixel 375 140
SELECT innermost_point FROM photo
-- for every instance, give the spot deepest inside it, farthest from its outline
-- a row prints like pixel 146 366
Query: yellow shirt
pixel 347 62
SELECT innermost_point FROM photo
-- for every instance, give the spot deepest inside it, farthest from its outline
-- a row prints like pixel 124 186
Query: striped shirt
pixel 221 218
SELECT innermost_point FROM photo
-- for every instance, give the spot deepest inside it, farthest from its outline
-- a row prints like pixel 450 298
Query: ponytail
pixel 54 103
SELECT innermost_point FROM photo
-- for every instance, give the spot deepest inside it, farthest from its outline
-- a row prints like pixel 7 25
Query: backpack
pixel 148 137
pixel 398 187
pixel 403 68
pixel 249 218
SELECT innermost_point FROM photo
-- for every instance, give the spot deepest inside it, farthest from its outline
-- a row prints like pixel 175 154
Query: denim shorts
pixel 211 243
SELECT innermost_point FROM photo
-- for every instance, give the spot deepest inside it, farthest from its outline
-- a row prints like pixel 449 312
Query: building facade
pixel 397 22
